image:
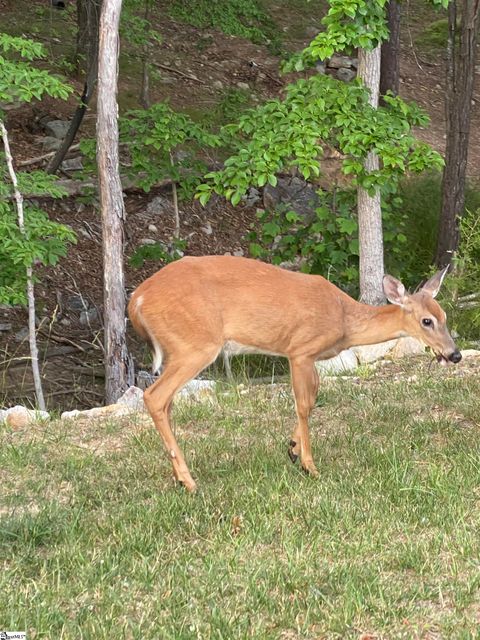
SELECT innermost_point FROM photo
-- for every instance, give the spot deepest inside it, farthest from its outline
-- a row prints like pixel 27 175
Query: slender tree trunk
pixel 461 58
pixel 32 335
pixel 390 65
pixel 118 364
pixel 369 209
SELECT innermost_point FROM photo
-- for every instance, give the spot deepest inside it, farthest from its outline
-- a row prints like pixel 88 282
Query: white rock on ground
pixel 19 416
pixel 345 361
pixel 372 352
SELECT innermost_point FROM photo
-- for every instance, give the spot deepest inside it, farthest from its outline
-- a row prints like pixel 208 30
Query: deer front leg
pixel 305 386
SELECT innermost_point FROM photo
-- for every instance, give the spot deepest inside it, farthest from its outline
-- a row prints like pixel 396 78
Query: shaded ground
pixel 198 69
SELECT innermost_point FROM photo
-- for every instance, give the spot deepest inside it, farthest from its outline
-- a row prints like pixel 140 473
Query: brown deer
pixel 192 309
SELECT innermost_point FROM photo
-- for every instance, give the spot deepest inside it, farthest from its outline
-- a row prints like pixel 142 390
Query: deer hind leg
pixel 179 369
pixel 305 388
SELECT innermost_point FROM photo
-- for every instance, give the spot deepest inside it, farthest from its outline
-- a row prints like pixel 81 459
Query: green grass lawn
pixel 96 542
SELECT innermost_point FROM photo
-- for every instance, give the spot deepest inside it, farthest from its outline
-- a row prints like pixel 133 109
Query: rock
pixel 18 417
pixel 3 415
pixel 372 352
pixel 252 197
pixel 49 143
pixel 158 205
pixel 72 164
pixel 110 411
pixel 197 389
pixel 345 361
pixel 133 398
pixel 218 84
pixel 243 85
pixel 470 353
pixel 346 75
pixel 57 128
pixel 152 228
pixel 321 68
pixel 207 229
pixel 5 326
pixel 145 379
pixel 293 192
pixel 21 335
pixel 239 253
pixel 76 303
pixel 145 241
pixel 406 347
pixel 339 62
pixel 88 317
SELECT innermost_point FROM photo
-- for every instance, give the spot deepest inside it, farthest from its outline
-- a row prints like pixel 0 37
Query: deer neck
pixel 365 324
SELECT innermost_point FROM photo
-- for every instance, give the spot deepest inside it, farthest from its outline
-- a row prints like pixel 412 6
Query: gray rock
pixel 243 85
pixel 293 192
pixel 158 205
pixel 57 128
pixel 21 335
pixel 76 303
pixel 338 62
pixel 88 317
pixel 49 143
pixel 406 347
pixel 207 229
pixel 344 362
pixel 346 75
pixel 252 197
pixel 5 326
pixel 145 241
pixel 218 84
pixel 133 398
pixel 72 164
pixel 321 68
pixel 197 389
pixel 239 253
pixel 470 353
pixel 372 352
pixel 145 379
pixel 152 228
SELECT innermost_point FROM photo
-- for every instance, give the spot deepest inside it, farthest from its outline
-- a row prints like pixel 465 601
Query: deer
pixel 193 309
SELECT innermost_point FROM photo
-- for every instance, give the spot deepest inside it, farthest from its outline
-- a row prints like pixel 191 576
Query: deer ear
pixel 394 290
pixel 433 285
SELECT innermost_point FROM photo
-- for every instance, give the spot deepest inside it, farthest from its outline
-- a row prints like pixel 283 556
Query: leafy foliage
pixel 245 18
pixel 163 143
pixel 44 241
pixel 349 24
pixel 19 80
pixel 287 134
pixel 327 242
pixel 158 252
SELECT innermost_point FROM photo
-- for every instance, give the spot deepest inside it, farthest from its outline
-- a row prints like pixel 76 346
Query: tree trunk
pixel 32 335
pixel 390 65
pixel 458 100
pixel 118 364
pixel 88 16
pixel 370 234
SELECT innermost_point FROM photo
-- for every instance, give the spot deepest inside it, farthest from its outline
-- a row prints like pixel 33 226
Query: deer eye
pixel 427 322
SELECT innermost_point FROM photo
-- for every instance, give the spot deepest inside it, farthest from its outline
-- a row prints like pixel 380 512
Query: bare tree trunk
pixel 32 336
pixel 369 210
pixel 118 364
pixel 390 65
pixel 460 80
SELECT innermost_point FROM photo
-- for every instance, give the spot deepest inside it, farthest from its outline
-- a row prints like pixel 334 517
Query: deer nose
pixel 456 356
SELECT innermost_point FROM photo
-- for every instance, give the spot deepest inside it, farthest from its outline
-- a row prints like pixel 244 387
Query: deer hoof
pixel 291 454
